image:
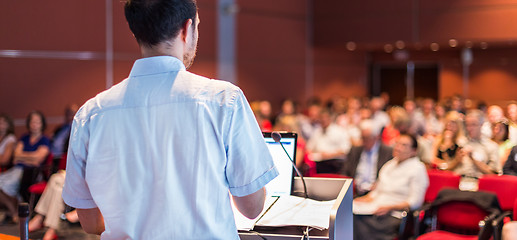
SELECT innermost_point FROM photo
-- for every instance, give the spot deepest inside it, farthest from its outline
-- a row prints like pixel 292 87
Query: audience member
pixel 30 152
pixel 457 104
pixel 337 105
pixel 262 111
pixel 7 141
pixel 288 114
pixel 311 122
pixel 378 115
pixel 364 162
pixel 511 111
pixel 350 119
pixel 50 207
pixel 510 165
pixel 401 186
pixel 352 113
pixel 62 133
pixel 446 145
pixel 328 145
pixel 500 132
pixel 494 114
pixel 479 155
pixel 416 118
pixel 399 123
pixel 440 111
pixel 432 126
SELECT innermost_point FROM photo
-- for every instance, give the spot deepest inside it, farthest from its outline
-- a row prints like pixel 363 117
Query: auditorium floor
pixel 67 231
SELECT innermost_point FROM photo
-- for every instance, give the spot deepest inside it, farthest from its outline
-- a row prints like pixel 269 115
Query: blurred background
pixel 54 53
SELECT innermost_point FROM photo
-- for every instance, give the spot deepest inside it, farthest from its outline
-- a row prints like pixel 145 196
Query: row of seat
pixel 467 216
pixel 449 213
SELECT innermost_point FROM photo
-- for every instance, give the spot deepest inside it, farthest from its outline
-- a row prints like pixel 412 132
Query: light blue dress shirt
pixel 158 153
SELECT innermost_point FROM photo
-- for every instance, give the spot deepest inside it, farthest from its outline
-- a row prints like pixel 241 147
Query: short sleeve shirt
pixel 159 152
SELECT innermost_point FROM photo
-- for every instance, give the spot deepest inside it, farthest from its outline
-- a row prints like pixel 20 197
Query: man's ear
pixel 186 30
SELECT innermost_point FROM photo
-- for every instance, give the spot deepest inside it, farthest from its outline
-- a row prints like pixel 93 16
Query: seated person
pixel 401 186
pixel 364 162
pixel 500 133
pixel 480 155
pixel 50 207
pixel 328 145
pixel 59 141
pixel 446 144
pixel 7 141
pixel 510 166
pixel 30 152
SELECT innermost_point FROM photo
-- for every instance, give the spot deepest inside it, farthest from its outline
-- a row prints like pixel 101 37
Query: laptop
pixel 283 184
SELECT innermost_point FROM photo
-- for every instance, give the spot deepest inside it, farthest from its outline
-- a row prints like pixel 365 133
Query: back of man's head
pixel 155 21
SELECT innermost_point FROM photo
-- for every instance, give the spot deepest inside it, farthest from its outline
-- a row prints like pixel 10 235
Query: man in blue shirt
pixel 161 154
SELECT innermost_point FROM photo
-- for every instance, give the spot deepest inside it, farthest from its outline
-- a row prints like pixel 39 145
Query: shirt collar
pixel 155 65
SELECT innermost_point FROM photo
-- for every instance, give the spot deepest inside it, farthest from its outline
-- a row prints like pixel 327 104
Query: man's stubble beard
pixel 188 57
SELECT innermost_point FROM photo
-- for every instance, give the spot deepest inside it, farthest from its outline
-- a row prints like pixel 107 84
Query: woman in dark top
pixel 510 166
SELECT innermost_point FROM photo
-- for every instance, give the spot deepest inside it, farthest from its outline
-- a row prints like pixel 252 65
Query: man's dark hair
pixel 154 21
pixel 414 141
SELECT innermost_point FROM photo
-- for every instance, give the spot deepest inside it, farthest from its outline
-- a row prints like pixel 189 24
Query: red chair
pixel 505 187
pixel 36 189
pixel 462 215
pixel 311 166
pixel 438 180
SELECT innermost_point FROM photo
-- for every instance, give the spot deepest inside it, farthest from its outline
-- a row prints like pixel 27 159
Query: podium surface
pixel 322 189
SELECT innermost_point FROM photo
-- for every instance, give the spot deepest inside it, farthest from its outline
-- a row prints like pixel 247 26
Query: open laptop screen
pixel 281 185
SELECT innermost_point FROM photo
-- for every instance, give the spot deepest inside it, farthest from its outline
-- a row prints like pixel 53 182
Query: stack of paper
pixel 290 211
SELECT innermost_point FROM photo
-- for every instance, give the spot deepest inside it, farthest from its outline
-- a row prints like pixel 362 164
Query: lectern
pixel 322 189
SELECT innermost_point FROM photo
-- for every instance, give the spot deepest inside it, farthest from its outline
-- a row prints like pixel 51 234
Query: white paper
pixel 297 211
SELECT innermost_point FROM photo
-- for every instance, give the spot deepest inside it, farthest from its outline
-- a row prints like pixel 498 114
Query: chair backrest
pixel 461 211
pixel 460 215
pixel 504 186
pixel 438 180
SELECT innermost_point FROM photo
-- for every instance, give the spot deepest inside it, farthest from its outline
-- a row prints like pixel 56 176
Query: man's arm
pixel 251 205
pixel 91 220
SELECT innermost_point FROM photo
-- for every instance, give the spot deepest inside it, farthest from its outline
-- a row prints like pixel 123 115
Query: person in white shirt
pixel 401 185
pixel 162 154
pixel 329 145
pixel 479 155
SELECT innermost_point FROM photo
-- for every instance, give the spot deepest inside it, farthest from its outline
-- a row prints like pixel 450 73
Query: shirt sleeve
pixel 418 186
pixel 249 164
pixel 75 191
